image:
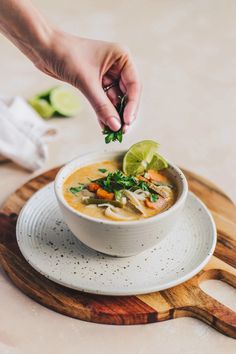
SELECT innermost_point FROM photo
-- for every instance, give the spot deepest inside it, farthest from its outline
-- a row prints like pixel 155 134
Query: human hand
pixel 91 65
pixel 87 64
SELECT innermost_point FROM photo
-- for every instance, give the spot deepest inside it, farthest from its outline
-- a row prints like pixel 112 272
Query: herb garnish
pixel 103 170
pixel 153 198
pixel 118 180
pixel 143 185
pixel 75 190
pixel 113 136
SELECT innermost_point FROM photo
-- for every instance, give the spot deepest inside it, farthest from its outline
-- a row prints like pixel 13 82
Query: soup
pixel 101 190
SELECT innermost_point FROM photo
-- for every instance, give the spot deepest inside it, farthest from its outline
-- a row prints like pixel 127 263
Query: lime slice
pixel 158 163
pixel 64 102
pixel 42 106
pixel 139 156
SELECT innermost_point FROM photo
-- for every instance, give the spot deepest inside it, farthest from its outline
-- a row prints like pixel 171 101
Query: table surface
pixel 185 51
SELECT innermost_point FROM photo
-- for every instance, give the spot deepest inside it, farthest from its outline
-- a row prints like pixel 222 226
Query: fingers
pixel 106 112
pixel 131 107
pixel 113 93
pixel 130 82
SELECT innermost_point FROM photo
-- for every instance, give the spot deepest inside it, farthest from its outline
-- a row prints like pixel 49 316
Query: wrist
pixel 38 40
pixel 42 36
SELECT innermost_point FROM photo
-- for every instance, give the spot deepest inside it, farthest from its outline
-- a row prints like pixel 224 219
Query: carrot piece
pixel 103 194
pixel 150 205
pixel 141 178
pixel 155 176
pixel 159 204
pixel 93 187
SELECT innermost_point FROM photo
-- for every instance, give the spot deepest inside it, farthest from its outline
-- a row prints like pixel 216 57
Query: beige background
pixel 185 52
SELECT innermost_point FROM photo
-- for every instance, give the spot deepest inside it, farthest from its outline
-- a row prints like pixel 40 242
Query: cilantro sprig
pixel 116 136
pixel 118 180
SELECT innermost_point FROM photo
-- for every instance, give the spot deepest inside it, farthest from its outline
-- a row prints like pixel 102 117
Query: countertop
pixel 185 52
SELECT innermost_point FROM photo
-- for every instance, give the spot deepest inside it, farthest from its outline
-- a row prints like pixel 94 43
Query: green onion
pixel 96 201
pixel 118 195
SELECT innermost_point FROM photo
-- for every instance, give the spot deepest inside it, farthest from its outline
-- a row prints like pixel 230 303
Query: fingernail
pixel 114 123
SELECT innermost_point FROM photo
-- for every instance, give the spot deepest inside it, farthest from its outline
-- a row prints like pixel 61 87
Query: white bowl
pixel 119 238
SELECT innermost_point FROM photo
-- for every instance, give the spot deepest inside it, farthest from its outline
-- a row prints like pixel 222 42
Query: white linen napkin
pixel 23 133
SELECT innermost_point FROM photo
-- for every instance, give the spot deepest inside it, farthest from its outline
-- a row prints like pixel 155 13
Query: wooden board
pixel 183 300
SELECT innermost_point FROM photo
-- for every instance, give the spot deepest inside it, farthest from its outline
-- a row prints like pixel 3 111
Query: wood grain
pixel 184 300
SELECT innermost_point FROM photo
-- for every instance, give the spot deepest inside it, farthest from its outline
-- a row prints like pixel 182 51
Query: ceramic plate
pixel 50 247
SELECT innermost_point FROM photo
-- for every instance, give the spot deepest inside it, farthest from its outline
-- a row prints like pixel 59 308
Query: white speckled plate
pixel 50 247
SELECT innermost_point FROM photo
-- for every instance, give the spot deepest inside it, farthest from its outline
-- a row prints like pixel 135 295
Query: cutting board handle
pixel 215 313
pixel 209 309
pixel 188 299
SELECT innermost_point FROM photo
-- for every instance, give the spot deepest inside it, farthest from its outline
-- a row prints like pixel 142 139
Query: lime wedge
pixel 42 106
pixel 139 156
pixel 64 101
pixel 158 163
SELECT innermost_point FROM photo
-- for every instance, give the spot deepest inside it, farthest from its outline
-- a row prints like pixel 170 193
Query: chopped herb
pixel 153 198
pixel 103 170
pixel 119 136
pixel 143 185
pixel 110 135
pixel 117 181
pixel 116 136
pixel 75 190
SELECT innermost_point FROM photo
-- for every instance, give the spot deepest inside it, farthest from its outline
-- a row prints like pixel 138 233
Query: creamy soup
pixel 103 191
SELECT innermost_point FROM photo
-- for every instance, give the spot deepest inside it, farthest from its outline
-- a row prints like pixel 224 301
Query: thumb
pixel 105 110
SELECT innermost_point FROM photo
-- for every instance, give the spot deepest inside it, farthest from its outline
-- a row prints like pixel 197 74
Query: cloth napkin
pixel 23 133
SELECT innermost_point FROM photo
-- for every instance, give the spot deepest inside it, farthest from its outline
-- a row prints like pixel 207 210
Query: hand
pixel 87 64
pixel 91 65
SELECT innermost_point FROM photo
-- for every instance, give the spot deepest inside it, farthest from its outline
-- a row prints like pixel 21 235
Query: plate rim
pixel 125 292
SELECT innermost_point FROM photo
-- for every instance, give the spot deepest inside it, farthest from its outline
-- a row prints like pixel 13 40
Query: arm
pixel 87 64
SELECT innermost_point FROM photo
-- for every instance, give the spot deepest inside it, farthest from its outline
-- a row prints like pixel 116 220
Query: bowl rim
pixel 151 219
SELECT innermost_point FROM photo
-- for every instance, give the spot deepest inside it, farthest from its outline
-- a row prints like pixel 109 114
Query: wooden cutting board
pixel 183 300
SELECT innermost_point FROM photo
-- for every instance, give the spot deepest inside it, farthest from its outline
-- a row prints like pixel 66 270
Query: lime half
pixel 42 106
pixel 139 156
pixel 64 102
pixel 158 163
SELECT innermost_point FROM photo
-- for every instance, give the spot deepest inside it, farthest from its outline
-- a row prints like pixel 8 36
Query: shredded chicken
pixel 134 201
